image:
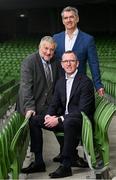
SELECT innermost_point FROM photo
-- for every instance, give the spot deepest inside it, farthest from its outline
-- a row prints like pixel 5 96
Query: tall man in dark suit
pixel 74 93
pixel 39 73
pixel 84 47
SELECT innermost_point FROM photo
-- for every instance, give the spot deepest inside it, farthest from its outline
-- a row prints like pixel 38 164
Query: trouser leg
pixel 72 131
pixel 35 134
pixel 60 140
pixel 36 124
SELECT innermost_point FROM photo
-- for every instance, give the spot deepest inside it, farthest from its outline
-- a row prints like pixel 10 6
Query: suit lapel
pixel 75 84
pixel 62 43
pixel 40 65
pixel 77 42
pixel 63 90
pixel 54 70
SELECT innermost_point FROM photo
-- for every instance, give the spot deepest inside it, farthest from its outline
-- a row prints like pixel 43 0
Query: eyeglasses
pixel 68 61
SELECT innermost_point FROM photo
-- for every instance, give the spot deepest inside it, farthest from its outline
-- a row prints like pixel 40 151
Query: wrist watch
pixel 59 120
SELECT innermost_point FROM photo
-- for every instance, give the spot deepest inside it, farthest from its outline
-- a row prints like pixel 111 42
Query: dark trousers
pixel 36 124
pixel 71 129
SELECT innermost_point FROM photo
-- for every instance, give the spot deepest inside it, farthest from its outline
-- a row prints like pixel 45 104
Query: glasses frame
pixel 68 61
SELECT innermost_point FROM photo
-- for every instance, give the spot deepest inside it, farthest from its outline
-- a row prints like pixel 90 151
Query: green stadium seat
pixel 96 144
pixel 3 166
pixel 18 149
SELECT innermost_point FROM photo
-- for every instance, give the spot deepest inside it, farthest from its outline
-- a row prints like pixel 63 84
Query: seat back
pixel 103 124
pixel 87 141
pixel 100 150
pixel 16 120
pixel 100 108
pixel 3 165
pixel 98 99
pixel 18 148
pixel 6 136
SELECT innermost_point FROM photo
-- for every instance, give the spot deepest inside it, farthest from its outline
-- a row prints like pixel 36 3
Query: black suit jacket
pixel 81 98
pixel 33 92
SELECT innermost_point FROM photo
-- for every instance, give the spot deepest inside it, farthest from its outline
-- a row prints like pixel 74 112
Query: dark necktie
pixel 48 74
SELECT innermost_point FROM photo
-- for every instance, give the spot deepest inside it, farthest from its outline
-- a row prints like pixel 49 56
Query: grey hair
pixel 70 52
pixel 48 39
pixel 69 8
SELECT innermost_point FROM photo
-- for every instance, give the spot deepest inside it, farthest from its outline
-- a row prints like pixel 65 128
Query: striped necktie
pixel 48 74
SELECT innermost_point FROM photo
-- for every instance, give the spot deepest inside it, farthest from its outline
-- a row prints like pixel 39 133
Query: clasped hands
pixel 50 121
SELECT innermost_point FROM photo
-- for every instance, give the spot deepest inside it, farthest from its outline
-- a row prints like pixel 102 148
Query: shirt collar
pixel 72 76
pixel 44 62
pixel 75 33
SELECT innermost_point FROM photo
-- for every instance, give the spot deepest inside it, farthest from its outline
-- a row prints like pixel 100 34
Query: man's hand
pixel 30 113
pixel 101 92
pixel 51 121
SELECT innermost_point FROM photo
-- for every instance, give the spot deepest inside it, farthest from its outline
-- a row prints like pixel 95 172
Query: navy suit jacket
pixel 85 50
pixel 81 98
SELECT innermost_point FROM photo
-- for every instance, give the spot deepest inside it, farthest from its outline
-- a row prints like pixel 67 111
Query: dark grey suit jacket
pixel 33 92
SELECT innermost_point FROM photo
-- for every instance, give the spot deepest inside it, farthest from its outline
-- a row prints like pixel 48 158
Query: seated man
pixel 74 93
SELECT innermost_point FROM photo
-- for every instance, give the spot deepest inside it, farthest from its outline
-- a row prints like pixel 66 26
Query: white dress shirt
pixel 69 42
pixel 69 83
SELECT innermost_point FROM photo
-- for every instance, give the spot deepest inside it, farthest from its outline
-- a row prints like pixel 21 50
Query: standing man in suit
pixel 39 73
pixel 84 47
pixel 81 43
pixel 34 92
pixel 76 95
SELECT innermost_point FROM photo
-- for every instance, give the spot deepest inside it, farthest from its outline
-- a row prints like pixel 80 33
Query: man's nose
pixel 68 62
pixel 48 51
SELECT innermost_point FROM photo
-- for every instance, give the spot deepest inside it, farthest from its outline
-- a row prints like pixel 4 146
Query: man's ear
pixel 62 65
pixel 77 64
pixel 77 19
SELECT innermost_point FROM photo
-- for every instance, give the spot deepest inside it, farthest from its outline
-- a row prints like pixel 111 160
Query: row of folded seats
pixel 14 131
pixel 106 49
pixel 109 80
pixel 14 141
pixel 8 95
pixel 96 143
pixel 11 55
